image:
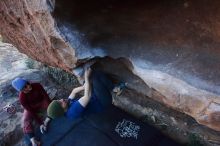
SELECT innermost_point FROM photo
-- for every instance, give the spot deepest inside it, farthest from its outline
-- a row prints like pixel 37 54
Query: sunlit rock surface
pixel 170 47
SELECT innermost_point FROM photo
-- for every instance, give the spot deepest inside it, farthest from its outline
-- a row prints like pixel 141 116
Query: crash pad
pixel 112 127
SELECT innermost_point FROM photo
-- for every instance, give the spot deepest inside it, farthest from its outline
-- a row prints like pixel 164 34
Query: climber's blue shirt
pixel 75 109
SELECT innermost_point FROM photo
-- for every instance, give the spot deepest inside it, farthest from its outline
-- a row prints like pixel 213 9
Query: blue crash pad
pixel 112 127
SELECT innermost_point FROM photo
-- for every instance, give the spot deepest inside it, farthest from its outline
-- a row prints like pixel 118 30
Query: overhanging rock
pixel 172 46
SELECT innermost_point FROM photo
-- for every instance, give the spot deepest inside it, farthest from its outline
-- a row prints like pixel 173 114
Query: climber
pixel 35 101
pixel 97 97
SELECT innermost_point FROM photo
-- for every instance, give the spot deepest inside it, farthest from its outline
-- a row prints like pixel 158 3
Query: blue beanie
pixel 19 83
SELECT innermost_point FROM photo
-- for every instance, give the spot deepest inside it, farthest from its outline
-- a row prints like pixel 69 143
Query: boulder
pixel 170 49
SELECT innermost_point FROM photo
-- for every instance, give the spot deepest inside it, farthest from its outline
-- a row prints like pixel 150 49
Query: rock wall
pixel 30 27
pixel 171 48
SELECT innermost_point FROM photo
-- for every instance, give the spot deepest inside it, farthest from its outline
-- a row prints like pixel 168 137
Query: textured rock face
pixel 171 48
pixel 30 26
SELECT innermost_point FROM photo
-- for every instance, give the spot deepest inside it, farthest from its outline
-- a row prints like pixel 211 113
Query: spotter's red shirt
pixel 35 101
